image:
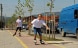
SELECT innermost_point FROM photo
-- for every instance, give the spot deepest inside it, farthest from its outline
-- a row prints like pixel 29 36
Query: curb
pixel 58 42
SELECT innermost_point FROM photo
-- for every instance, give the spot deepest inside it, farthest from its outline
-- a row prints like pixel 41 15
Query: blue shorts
pixel 37 30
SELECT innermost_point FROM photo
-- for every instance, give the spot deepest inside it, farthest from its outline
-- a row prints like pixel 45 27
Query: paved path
pixel 8 41
pixel 26 41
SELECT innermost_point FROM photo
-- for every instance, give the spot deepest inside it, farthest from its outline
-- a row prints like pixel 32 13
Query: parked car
pixel 24 26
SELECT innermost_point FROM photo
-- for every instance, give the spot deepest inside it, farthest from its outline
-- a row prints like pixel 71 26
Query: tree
pixel 11 21
pixel 51 5
pixel 29 4
pixel 19 9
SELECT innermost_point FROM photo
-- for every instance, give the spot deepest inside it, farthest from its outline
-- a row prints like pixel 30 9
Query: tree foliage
pixel 29 4
pixel 19 9
pixel 12 20
pixel 50 5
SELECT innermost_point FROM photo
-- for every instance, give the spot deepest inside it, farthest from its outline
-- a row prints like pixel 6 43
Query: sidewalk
pixel 8 41
pixel 28 41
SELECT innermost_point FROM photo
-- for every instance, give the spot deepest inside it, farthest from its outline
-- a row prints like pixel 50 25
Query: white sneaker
pixel 35 41
pixel 42 42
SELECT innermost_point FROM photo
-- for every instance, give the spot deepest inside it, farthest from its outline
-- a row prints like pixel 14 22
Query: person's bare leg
pixel 15 33
pixel 35 37
pixel 19 33
pixel 41 39
pixel 35 41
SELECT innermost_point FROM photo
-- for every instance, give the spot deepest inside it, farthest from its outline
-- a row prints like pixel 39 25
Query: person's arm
pixel 46 26
pixel 30 23
pixel 16 22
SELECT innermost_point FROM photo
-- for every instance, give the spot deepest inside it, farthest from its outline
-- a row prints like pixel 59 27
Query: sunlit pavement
pixel 8 41
pixel 25 41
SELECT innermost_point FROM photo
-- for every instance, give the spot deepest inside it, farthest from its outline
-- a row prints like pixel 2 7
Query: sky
pixel 39 6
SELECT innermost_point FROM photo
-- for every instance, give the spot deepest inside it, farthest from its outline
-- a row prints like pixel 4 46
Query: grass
pixel 47 38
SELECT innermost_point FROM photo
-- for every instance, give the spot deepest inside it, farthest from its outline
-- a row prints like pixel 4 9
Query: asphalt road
pixel 72 42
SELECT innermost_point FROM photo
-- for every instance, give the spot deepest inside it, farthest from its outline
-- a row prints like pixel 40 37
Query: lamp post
pixel 74 1
pixel 1 14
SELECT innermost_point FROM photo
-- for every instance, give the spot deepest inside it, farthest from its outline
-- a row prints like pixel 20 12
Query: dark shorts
pixel 37 30
pixel 19 28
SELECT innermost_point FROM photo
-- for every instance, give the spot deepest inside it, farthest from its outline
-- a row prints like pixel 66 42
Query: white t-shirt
pixel 38 23
pixel 19 22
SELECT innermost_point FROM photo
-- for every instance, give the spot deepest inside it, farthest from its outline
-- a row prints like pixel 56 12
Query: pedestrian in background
pixel 37 24
pixel 18 26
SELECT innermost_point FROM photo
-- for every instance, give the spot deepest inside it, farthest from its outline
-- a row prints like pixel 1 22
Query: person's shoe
pixel 14 34
pixel 42 42
pixel 35 41
pixel 20 34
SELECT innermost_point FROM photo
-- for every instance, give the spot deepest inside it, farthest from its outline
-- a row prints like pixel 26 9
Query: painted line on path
pixel 21 42
pixel 25 46
pixel 59 46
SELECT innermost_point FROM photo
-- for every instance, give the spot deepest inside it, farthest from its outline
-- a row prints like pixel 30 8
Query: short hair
pixel 19 16
pixel 39 15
